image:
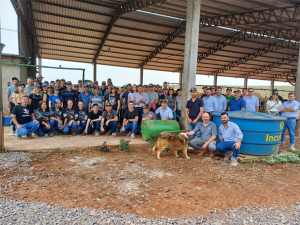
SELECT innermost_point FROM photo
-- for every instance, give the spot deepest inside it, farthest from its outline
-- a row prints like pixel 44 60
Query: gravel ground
pixel 15 159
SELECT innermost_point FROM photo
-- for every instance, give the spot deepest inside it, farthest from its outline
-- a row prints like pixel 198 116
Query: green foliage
pixel 297 151
pixel 151 142
pixel 124 145
pixel 179 152
pixel 55 150
pixel 167 149
pixel 281 158
pixel 104 147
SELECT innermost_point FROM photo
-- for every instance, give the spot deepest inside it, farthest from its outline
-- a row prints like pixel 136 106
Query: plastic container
pixel 151 128
pixel 262 131
pixel 6 121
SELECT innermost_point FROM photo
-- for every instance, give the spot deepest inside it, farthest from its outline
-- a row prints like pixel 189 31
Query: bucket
pixel 6 121
pixel 151 128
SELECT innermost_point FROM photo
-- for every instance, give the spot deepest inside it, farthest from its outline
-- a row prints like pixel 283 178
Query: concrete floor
pixel 64 142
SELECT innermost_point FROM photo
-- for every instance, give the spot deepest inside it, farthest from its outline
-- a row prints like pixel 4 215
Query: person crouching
pixel 43 115
pixel 69 117
pixel 109 120
pixel 93 123
pixel 81 115
pixel 57 117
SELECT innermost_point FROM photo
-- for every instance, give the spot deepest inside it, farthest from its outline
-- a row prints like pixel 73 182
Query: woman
pixel 35 97
pixel 47 95
pixel 178 104
pixel 133 91
pixel 43 115
pixel 57 116
pixel 114 99
pixel 17 95
pixel 69 119
pixel 81 115
pixel 56 95
pixel 171 101
pixel 44 86
pixel 274 104
pixel 92 89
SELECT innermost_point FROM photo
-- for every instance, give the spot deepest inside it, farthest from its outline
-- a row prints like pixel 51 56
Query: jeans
pixel 67 127
pixel 174 113
pixel 94 127
pixel 197 143
pixel 33 126
pixel 140 110
pixel 82 125
pixel 290 125
pixel 111 125
pixel 272 112
pixel 55 125
pixel 130 127
pixel 158 116
pixel 178 115
pixel 226 146
pixel 43 129
pixel 192 127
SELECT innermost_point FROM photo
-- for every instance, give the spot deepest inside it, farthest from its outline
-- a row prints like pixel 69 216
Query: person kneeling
pixel 43 115
pixel 130 121
pixel 147 115
pixel 93 123
pixel 69 115
pixel 109 120
pixel 208 130
pixel 57 117
pixel 231 138
pixel 164 111
pixel 81 115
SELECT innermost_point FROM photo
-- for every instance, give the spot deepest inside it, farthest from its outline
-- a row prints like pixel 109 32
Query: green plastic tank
pixel 151 128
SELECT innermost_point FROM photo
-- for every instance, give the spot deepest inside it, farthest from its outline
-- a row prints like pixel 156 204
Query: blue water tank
pixel 262 131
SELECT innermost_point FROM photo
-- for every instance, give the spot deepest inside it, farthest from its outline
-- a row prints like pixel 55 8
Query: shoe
pixel 234 162
pixel 59 133
pixel 202 153
pixel 12 133
pixel 129 133
pixel 292 147
pixel 46 134
pixel 228 155
pixel 83 133
pixel 74 133
pixel 114 134
pixel 19 137
pixel 281 144
pixel 190 148
pixel 29 136
pixel 97 135
pixel 51 135
pixel 212 155
pixel 132 135
pixel 107 134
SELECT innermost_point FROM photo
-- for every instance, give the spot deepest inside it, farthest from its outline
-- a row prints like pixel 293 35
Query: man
pixel 147 115
pixel 164 93
pixel 57 116
pixel 96 98
pixel 244 93
pixel 210 104
pixel 204 92
pixel 52 84
pixel 231 138
pixel 10 103
pixel 289 110
pixel 228 96
pixel 140 99
pixel 208 137
pixel 153 98
pixel 22 116
pixel 103 88
pixel 69 94
pixel 221 100
pixel 81 88
pixel 109 120
pixel 145 88
pixel 124 100
pixel 164 111
pixel 155 88
pixel 36 97
pixel 129 87
pixel 93 122
pixel 165 84
pixel 63 85
pixel 130 121
pixel 193 112
pixel 29 86
pixel 237 103
pixel 85 96
pixel 178 104
pixel 252 102
pixel 108 91
pixel 40 78
pixel 96 83
pixel 35 82
pixel 57 83
pixel 279 96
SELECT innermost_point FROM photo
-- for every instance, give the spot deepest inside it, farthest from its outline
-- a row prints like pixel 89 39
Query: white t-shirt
pixel 273 106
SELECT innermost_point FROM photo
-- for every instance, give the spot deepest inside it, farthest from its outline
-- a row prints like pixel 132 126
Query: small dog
pixel 174 141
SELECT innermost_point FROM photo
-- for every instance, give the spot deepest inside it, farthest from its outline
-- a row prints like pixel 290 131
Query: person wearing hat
pixel 29 86
pixel 108 91
pixel 124 100
pixel 52 83
pixel 57 116
pixel 165 84
pixel 95 83
pixel 109 120
pixel 147 115
pixel 35 82
pixel 55 96
pixel 279 96
pixel 93 122
pixel 96 99
pixel 210 104
pixel 47 92
pixel 44 88
pixel 40 79
pixel 35 97
pixel 81 115
pixel 80 86
pixel 103 88
pixel 274 104
pixel 10 103
pixel 43 115
pixel 24 119
pixel 153 98
pixel 193 111
pixel 202 95
pixel 228 96
pixel 92 89
pixel 69 94
pixel 17 95
pixel 244 92
pixel 63 85
pixel 178 104
pixel 130 121
pixel 57 82
pixel 252 102
pixel 114 99
pixel 129 87
pixel 145 88
pixel 140 99
pixel 164 111
pixel 237 103
pixel 220 100
pixel 85 96
pixel 170 97
pixel 69 118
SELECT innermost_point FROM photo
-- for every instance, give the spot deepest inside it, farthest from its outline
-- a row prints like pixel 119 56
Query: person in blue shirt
pixel 252 102
pixel 55 96
pixel 210 104
pixel 164 111
pixel 221 100
pixel 85 96
pixel 289 110
pixel 69 94
pixel 237 103
pixel 193 111
pixel 10 103
pixel 231 138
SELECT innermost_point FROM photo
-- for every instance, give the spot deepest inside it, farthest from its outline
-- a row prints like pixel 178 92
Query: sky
pixel 119 75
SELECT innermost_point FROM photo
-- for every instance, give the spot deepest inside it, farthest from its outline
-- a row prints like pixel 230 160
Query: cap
pixel 56 88
pixel 39 76
pixel 145 85
pixel 114 87
pixel 165 88
pixel 96 82
pixel 275 93
pixel 170 88
pixel 95 104
pixel 179 89
pixel 193 89
pixel 30 78
pixel 108 104
pixel 275 89
pixel 237 91
pixel 57 79
pixel 49 86
pixel 35 80
pixel 68 82
pixel 145 107
pixel 62 79
pixel 109 83
pixel 76 85
pixel 52 81
pixel 139 85
pixel 164 100
pixel 44 85
pixel 150 85
pixel 204 87
pixel 103 82
pixel 229 89
pixel 79 80
pixel 209 88
pixel 108 78
pixel 21 84
pixel 96 87
pixel 37 85
pixel 46 82
pixel 129 84
pixel 92 86
pixel 56 101
pixel 85 85
pixel 124 86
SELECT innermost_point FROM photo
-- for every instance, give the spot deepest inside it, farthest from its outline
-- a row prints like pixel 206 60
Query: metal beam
pixel 260 52
pixel 120 10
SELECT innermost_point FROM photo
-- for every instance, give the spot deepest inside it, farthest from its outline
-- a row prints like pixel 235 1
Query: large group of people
pixel 46 109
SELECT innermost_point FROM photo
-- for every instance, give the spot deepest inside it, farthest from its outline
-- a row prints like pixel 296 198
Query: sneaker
pixel 107 134
pixel 234 162
pixel 129 133
pixel 12 133
pixel 292 147
pixel 97 135
pixel 51 135
pixel 114 134
pixel 46 134
pixel 281 144
pixel 190 148
pixel 228 155
pixel 74 133
pixel 29 136
pixel 132 135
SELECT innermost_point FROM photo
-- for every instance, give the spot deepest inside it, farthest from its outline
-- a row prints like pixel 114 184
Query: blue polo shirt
pixel 85 99
pixel 293 104
pixel 67 95
pixel 164 114
pixel 237 105
pixel 251 103
pixel 210 104
pixel 221 103
pixel 10 90
pixel 194 108
pixel 231 133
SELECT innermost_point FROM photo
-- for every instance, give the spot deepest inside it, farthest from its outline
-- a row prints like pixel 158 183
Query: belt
pixel 291 118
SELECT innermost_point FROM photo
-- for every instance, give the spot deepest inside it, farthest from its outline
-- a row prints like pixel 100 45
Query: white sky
pixel 119 75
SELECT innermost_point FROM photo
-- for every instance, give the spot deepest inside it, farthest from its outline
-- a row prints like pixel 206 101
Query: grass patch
pixel 297 151
pixel 151 142
pixel 281 158
pixel 55 150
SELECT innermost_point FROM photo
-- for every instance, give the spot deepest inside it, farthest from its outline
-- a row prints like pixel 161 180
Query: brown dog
pixel 174 141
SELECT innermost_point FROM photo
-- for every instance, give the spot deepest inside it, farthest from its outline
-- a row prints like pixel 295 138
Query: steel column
pixel 141 75
pixel 297 93
pixel 95 72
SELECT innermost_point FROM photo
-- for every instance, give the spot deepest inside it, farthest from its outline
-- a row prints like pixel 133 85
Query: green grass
pixel 55 150
pixel 281 158
pixel 297 151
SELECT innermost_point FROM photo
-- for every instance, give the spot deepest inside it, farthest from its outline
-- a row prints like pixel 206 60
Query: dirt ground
pixel 138 183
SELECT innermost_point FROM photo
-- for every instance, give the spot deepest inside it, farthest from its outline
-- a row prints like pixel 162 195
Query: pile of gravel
pixel 15 159
pixel 21 212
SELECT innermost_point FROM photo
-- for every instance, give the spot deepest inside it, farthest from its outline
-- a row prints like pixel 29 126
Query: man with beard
pixel 231 138
pixel 208 130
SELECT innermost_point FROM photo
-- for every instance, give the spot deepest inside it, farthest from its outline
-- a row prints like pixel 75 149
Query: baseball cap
pixel 275 89
pixel 108 104
pixel 96 82
pixel 30 78
pixel 179 89
pixel 129 84
pixel 109 83
pixel 275 93
pixel 170 88
pixel 150 85
pixel 49 86
pixel 145 85
pixel 46 82
pixel 145 107
pixel 52 81
pixel 114 87
pixel 209 88
pixel 56 101
pixel 76 85
pixel 193 89
pixel 94 104
pixel 39 76
pixel 165 88
pixel 230 89
pixel 164 100
pixel 68 82
pixel 35 80
pixel 96 87
pixel 62 79
pixel 103 82
pixel 79 80
pixel 204 87
pixel 57 79
pixel 44 85
pixel 56 88
pixel 92 86
pixel 237 91
pixel 37 85
pixel 85 85
pixel 21 84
